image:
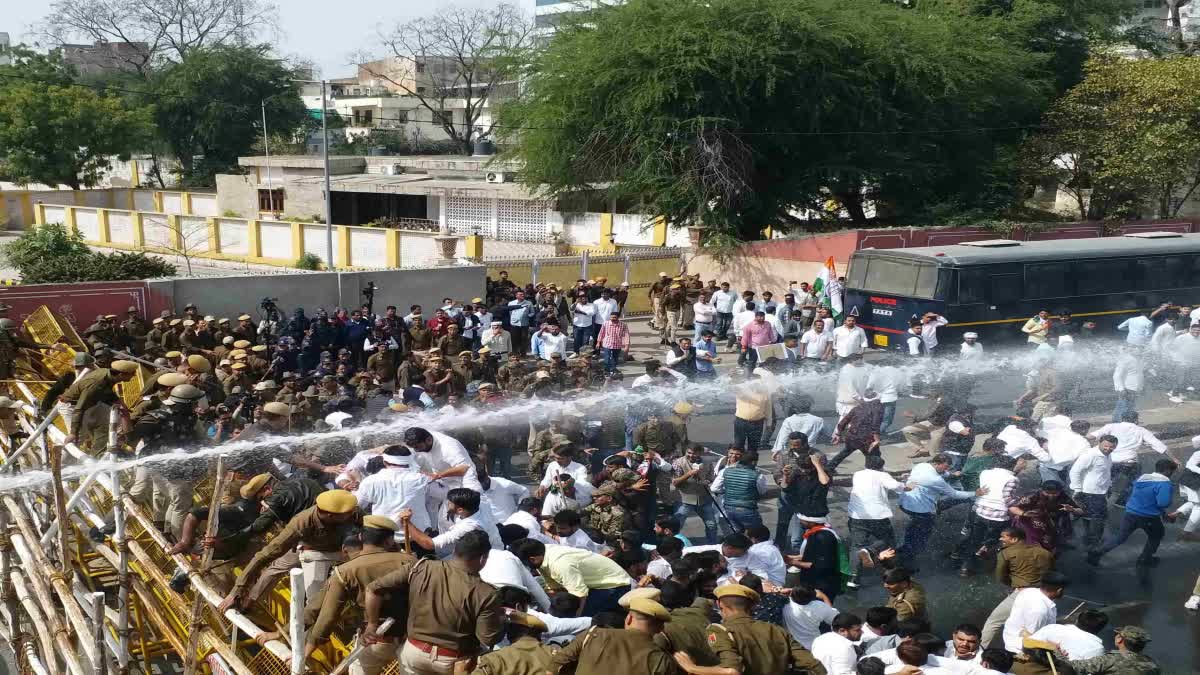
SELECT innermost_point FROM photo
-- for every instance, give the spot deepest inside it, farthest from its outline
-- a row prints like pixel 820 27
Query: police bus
pixel 993 287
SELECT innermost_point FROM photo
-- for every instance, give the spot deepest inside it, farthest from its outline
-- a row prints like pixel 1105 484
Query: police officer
pixel 169 485
pixel 159 390
pixel 1126 658
pixel 765 648
pixel 605 516
pixel 93 393
pixel 603 651
pixel 525 655
pixel 905 596
pixel 10 342
pixel 350 580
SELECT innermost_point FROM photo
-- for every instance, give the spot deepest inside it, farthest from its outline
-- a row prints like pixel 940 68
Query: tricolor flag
pixel 828 290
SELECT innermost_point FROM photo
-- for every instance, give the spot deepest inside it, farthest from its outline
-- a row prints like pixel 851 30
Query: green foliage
pixel 52 254
pixel 56 133
pixel 737 114
pixel 1123 142
pixel 396 142
pixel 308 261
pixel 209 105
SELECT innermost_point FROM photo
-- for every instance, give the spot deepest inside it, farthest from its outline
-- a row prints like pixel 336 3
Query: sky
pixel 327 33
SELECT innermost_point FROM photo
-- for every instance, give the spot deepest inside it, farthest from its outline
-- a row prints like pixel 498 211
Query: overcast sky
pixel 322 31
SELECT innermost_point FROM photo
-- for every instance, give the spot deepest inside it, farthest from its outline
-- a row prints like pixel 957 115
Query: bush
pixel 52 254
pixel 308 261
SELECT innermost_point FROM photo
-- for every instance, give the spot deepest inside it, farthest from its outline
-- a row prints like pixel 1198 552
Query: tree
pixel 209 105
pixel 56 132
pixel 51 253
pixel 1129 128
pixel 779 107
pixel 169 28
pixel 457 55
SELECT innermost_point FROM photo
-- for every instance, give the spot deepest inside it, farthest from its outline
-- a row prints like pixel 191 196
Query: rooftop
pixel 419 184
pixel 1055 249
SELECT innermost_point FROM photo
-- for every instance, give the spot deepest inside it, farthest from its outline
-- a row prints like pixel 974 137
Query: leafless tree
pixel 1175 21
pixel 458 54
pixel 169 28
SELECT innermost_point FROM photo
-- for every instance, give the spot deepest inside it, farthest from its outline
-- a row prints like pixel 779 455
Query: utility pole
pixel 328 195
pixel 267 149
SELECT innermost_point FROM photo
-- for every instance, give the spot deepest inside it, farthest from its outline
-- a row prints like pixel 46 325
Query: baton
pixel 358 648
pixel 721 510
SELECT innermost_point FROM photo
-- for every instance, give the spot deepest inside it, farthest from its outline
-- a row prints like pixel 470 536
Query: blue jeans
pixel 787 529
pixel 1095 513
pixel 708 515
pixel 583 335
pixel 1125 401
pixel 742 518
pixel 500 461
pixel 889 414
pixel 603 599
pixel 612 359
pixel 700 328
pixel 1130 523
pixel 916 537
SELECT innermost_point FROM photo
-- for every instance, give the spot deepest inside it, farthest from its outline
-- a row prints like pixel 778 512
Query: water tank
pixel 484 147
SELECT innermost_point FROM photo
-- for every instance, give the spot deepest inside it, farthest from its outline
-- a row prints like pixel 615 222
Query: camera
pixel 268 303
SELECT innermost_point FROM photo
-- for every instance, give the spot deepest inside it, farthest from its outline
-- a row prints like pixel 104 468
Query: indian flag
pixel 828 290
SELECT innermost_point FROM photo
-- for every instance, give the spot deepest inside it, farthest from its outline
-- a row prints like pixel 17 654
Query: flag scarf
pixel 828 290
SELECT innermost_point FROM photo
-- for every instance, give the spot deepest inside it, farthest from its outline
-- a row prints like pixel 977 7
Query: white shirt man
pixel 704 313
pixel 497 339
pixel 505 569
pixel 573 469
pixel 552 343
pixel 740 321
pixel 504 496
pixel 765 560
pixel 448 453
pixel 869 492
pixel 852 386
pixel 1064 446
pixel 1130 439
pixel 970 349
pixel 1140 329
pixel 816 344
pixel 604 308
pixel 836 652
pixel 1091 473
pixel 806 423
pixel 803 622
pixel 395 487
pixel 1075 642
pixel 582 313
pixel 1031 610
pixel 443 544
pixel 887 381
pixel 1185 348
pixel 929 331
pixel 580 539
pixel 1052 423
pixel 646 379
pixel 356 468
pixel 1129 374
pixel 723 301
pixel 1160 341
pixel 1018 442
pixel 849 340
pixel 526 520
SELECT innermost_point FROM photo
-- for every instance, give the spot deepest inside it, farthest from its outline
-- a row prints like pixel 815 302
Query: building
pixel 5 45
pixel 101 58
pixel 461 195
pixel 1156 14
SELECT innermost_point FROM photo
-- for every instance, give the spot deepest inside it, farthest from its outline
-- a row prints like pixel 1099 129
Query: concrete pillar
pixel 135 178
pixel 28 214
pixel 214 236
pixel 607 242
pixel 130 199
pixel 77 198
pixel 102 226
pixel 474 247
pixel 253 239
pixel 443 224
pixel 185 203
pixel 139 229
pixel 175 229
pixel 4 214
pixel 392 242
pixel 495 233
pixel 342 251
pixel 39 214
pixel 158 201
pixel 297 240
pixel 69 218
pixel 660 232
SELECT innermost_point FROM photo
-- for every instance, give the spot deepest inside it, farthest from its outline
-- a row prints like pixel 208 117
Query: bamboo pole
pixel 53 624
pixel 6 590
pixel 45 639
pixel 10 462
pixel 31 659
pixel 72 502
pixel 296 620
pixel 60 512
pixel 359 646
pixel 122 567
pixel 100 665
pixel 214 512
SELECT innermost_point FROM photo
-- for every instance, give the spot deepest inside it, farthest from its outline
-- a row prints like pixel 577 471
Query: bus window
pixel 1005 288
pixel 1161 273
pixel 927 277
pixel 972 286
pixel 1095 277
pixel 856 277
pixel 1046 280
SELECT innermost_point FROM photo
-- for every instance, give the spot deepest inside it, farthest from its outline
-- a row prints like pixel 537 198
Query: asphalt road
pixel 1152 598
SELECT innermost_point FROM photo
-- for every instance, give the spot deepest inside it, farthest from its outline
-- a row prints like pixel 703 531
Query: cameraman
pixel 803 487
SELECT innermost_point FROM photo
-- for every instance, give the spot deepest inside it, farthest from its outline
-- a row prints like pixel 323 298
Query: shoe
pixel 1093 559
pixel 918 453
pixel 852 581
pixel 1175 399
pixel 964 572
pixel 1193 603
pixel 792 569
pixel 864 557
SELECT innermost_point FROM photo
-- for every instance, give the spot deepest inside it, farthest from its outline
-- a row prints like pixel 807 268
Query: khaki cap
pixel 227 340
pixel 244 317
pixel 110 317
pixel 609 488
pixel 156 320
pixel 188 323
pixel 124 366
pixel 238 366
pixel 485 350
pixel 176 322
pixel 237 352
pixel 278 408
pixel 252 486
pixel 258 348
pixel 175 354
pixel 527 620
pixel 210 318
pixel 737 591
pixel 476 301
pixel 171 379
pixel 199 363
pixel 336 501
pixel 1136 633
pixel 648 593
pixel 380 523
pixel 131 309
pixel 651 609
pixel 684 408
pixel 265 385
pixel 465 351
pixel 222 320
pixel 241 344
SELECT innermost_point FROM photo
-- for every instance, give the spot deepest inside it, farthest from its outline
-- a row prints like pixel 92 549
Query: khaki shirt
pixel 352 578
pixel 526 656
pixel 767 649
pixel 304 528
pixel 686 635
pixel 1022 565
pixel 448 606
pixel 382 365
pixel 661 437
pixel 909 604
pixel 94 387
pixel 609 651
